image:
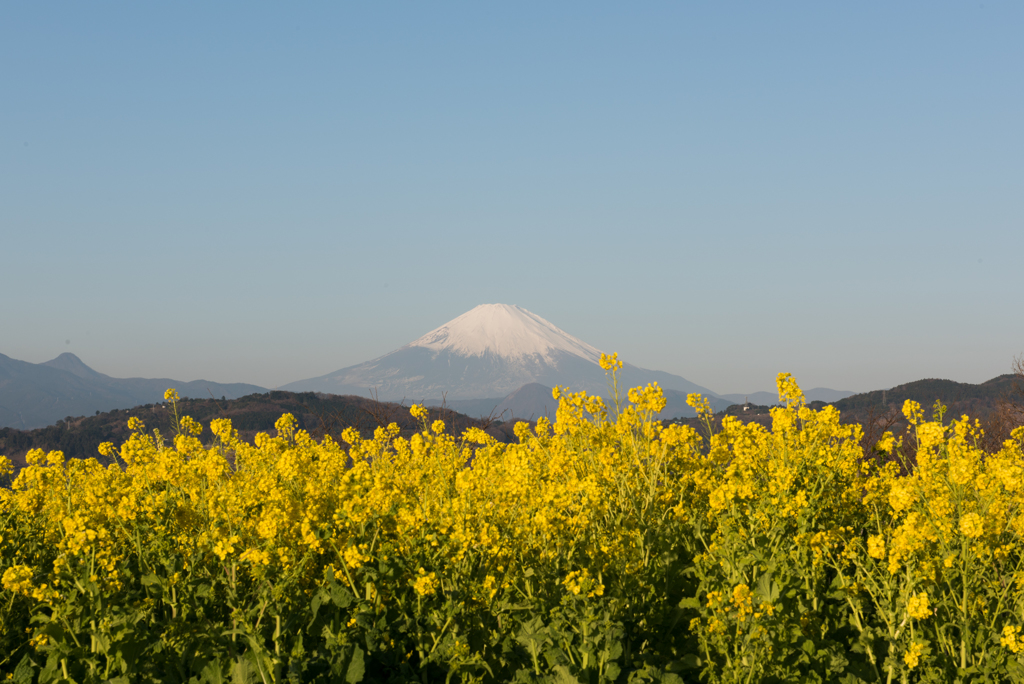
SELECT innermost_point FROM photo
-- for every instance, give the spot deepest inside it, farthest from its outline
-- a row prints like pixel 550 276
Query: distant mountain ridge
pixel 772 398
pixel 929 390
pixel 34 395
pixel 532 401
pixel 318 414
pixel 494 359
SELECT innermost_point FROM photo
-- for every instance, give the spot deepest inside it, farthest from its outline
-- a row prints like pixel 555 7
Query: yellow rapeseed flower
pixel 699 404
pixel 649 399
pixel 425 583
pixel 886 443
pixel 876 547
pixel 610 363
pixel 790 393
pixel 917 606
pixel 972 526
pixel 1011 638
pixel 930 435
pixel 913 655
pixel 190 426
pixel 913 411
pixel 902 495
pixel 18 578
pixel 742 599
pixel 286 425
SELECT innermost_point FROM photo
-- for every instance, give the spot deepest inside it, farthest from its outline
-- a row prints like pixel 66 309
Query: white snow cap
pixel 505 330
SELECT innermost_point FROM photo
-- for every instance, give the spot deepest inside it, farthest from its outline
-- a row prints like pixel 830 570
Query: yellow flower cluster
pixel 18 578
pixel 753 534
pixel 1011 638
pixel 425 584
pixel 913 655
pixel 947 535
pixel 917 606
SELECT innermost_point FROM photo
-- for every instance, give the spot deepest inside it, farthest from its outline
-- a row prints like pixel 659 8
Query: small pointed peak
pixel 72 364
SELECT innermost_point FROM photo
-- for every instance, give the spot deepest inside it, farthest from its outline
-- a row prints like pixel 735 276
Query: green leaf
pixel 691 602
pixel 52 670
pixel 766 588
pixel 341 596
pixel 356 668
pixel 211 673
pixel 23 672
pixel 245 670
pixel 690 661
pixel 563 676
pixel 850 678
pixel 150 579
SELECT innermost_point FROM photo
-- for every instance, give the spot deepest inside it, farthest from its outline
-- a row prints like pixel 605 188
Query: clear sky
pixel 265 192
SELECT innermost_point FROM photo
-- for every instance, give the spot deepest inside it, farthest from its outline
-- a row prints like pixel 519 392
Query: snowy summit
pixel 504 330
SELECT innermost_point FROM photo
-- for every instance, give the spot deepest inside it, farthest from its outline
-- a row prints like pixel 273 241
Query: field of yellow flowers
pixel 601 548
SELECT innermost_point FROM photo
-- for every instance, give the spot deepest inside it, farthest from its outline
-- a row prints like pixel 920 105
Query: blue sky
pixel 254 192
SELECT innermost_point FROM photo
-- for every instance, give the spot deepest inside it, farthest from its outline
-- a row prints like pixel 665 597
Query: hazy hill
pixel 529 402
pixel 772 398
pixel 676 406
pixel 34 395
pixel 998 404
pixel 534 400
pixel 983 395
pixel 318 414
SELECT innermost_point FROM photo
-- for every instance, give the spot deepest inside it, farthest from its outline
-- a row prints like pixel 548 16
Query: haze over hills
pixel 772 398
pixel 318 414
pixel 33 395
pixel 534 400
pixel 529 402
pixel 981 395
pixel 494 360
pixel 487 353
pixel 998 402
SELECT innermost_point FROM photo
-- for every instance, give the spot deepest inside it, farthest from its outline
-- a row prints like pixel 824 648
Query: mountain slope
pixel 489 351
pixel 529 402
pixel 926 392
pixel 33 395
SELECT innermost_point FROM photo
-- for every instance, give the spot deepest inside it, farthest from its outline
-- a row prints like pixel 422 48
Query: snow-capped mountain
pixel 507 331
pixel 489 351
